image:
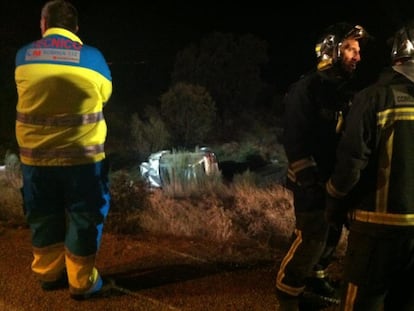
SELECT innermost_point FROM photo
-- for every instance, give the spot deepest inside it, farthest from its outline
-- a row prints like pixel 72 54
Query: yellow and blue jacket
pixel 62 87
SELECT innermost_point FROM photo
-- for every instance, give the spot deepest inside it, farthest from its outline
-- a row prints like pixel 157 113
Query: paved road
pixel 152 274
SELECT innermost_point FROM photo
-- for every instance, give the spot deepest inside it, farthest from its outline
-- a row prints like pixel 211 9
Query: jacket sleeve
pixel 355 146
pixel 299 122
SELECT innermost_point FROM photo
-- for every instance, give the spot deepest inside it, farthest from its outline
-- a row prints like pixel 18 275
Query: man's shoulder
pixel 387 78
pixel 309 76
pixel 306 79
pixel 25 46
pixel 22 51
pixel 91 49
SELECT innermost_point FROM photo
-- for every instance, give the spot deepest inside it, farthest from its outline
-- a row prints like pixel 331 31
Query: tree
pixel 149 135
pixel 229 67
pixel 189 113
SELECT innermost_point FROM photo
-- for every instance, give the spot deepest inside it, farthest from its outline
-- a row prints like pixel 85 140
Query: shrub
pixel 149 136
pixel 129 195
pixel 189 113
pixel 11 203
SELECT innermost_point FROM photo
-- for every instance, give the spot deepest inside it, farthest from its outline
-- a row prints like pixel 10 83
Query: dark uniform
pixel 377 155
pixel 381 238
pixel 315 110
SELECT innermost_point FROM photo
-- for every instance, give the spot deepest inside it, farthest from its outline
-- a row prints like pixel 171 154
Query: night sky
pixel 137 35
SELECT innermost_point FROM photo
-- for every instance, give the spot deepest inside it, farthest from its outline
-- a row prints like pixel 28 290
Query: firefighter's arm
pixel 336 211
pixel 303 172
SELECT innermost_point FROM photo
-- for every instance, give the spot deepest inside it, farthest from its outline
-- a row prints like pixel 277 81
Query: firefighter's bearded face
pixel 350 55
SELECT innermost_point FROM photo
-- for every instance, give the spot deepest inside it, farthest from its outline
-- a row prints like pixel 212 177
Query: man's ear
pixel 43 25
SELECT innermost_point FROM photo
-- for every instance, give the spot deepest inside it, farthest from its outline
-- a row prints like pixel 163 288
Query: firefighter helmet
pixel 328 47
pixel 403 43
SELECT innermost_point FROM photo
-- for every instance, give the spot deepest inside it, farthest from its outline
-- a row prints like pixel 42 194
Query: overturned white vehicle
pixel 166 167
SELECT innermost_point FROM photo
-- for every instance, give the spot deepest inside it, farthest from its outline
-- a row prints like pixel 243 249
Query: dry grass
pixel 239 213
pixel 237 217
pixel 11 205
pixel 11 209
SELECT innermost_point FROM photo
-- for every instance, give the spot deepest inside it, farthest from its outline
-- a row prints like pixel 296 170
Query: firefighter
pixel 315 107
pixel 375 166
pixel 62 86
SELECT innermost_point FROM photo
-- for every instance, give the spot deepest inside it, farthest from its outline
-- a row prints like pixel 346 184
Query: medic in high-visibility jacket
pixel 62 87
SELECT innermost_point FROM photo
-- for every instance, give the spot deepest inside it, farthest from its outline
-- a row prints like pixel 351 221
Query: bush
pixel 189 113
pixel 149 136
pixel 11 203
pixel 129 195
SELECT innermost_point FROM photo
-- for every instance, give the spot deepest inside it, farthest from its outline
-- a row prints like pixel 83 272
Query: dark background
pixel 140 39
pixel 138 34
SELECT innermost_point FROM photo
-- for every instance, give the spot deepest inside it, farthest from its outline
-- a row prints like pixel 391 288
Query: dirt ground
pixel 151 273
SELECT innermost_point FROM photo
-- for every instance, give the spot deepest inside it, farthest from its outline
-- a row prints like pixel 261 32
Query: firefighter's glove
pixel 336 212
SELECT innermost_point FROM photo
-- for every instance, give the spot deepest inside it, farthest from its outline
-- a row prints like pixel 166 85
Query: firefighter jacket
pixel 62 87
pixel 315 107
pixel 377 152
